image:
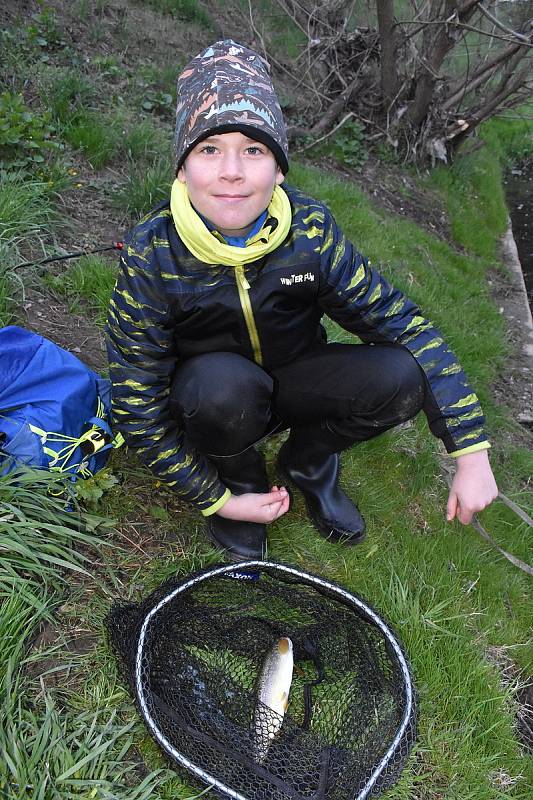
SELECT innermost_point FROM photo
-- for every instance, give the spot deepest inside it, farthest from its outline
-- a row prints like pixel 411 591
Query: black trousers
pixel 227 403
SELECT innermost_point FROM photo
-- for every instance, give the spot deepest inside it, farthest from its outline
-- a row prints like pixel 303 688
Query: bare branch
pixel 501 26
pixel 326 135
pixel 493 35
pixel 479 77
pixel 489 108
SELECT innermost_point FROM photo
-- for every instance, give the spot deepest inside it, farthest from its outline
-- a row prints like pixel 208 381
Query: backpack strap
pixel 116 441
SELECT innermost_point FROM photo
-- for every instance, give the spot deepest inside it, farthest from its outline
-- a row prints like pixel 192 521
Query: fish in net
pixel 194 655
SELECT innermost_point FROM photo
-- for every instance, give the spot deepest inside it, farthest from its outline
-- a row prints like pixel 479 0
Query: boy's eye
pixel 208 148
pixel 254 150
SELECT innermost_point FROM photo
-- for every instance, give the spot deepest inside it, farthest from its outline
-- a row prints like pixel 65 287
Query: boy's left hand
pixel 473 487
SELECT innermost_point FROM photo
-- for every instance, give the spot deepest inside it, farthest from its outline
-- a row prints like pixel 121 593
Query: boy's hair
pixel 227 87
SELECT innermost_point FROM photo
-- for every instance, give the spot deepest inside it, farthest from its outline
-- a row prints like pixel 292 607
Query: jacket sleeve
pixel 359 299
pixel 142 361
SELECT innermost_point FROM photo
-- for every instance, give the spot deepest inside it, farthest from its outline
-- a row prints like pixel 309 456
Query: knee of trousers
pixel 222 392
pixel 403 386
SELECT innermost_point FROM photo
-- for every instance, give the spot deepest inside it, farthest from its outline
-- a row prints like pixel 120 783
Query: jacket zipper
pixel 243 287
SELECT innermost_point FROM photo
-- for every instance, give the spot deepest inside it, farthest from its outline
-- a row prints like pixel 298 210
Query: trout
pixel 273 695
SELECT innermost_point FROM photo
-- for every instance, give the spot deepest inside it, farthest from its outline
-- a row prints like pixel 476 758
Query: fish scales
pixel 273 695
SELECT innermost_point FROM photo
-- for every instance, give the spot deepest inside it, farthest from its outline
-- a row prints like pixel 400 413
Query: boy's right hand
pixel 255 507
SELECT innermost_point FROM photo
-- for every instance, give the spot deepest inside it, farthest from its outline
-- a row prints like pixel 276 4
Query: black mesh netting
pixel 192 653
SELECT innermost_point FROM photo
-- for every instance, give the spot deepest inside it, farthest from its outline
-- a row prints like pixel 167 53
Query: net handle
pixel 348 598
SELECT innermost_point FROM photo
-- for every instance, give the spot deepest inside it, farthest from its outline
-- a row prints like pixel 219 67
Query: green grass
pixel 144 187
pixel 163 77
pixel 64 91
pixel 476 201
pixel 27 213
pixel 27 207
pixel 97 135
pixel 91 278
pixel 186 10
pixel 473 186
pixel 86 752
pixel 38 537
pixel 145 141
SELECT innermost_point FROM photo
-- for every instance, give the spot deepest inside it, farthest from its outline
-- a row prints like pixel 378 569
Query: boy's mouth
pixel 231 198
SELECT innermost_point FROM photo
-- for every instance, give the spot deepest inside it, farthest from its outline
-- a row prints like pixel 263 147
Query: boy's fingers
pixel 451 508
pixel 465 516
pixel 275 496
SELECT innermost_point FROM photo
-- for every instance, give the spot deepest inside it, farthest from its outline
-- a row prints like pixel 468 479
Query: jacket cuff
pixel 472 449
pixel 219 503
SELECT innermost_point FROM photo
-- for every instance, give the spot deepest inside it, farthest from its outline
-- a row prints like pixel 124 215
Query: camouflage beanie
pixel 226 88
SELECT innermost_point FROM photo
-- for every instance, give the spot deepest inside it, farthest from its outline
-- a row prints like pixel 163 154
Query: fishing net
pixel 193 652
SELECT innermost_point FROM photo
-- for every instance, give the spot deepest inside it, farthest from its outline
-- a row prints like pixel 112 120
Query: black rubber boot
pixel 309 459
pixel 243 473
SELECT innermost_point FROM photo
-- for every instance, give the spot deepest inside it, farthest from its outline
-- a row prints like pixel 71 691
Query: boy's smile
pixel 230 179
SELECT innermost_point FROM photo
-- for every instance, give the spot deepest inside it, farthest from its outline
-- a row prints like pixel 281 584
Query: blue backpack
pixel 55 412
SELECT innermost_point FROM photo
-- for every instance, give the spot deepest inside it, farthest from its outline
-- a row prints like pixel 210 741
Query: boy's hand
pixel 255 507
pixel 473 487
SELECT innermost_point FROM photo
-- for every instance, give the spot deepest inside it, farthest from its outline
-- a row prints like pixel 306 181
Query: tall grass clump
pixel 145 141
pixel 41 547
pixel 27 207
pixel 92 279
pixel 65 92
pixel 27 211
pixel 187 10
pixel 40 540
pixel 48 752
pixel 144 188
pixel 98 136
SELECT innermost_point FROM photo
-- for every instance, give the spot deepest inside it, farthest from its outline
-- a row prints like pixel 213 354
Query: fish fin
pixel 285 700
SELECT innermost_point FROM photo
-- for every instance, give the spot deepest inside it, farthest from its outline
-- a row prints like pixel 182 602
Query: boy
pixel 214 334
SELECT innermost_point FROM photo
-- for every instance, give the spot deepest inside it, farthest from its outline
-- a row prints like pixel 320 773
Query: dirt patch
pixel 45 314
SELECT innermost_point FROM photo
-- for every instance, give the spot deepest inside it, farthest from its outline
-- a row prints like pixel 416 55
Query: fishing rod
pixel 65 257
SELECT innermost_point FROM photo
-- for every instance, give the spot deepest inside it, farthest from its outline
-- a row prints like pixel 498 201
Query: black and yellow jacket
pixel 168 306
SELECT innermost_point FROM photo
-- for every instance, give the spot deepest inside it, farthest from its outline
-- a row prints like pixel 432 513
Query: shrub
pixel 25 135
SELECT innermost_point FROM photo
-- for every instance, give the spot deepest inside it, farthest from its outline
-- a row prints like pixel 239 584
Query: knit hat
pixel 225 88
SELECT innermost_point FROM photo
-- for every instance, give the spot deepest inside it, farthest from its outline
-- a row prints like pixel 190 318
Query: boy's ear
pixel 280 177
pixel 180 175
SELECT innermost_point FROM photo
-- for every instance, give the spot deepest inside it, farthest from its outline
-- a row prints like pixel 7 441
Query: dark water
pixel 519 193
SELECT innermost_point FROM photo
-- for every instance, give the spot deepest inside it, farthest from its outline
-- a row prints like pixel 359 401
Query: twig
pixel 326 135
pixel 516 508
pixel 524 40
pixel 509 556
pixel 501 26
pixel 483 533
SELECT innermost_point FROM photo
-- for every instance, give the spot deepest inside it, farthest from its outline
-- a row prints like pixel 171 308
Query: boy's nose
pixel 231 167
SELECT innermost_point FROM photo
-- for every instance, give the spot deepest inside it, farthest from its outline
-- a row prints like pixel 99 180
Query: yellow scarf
pixel 207 248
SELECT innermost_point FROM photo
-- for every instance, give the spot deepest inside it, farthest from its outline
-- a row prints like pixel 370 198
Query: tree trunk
pixel 436 47
pixel 389 74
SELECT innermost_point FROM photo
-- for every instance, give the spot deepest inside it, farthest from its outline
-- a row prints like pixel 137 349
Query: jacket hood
pixel 224 88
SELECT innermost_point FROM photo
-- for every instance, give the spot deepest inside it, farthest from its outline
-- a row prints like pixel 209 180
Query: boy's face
pixel 230 179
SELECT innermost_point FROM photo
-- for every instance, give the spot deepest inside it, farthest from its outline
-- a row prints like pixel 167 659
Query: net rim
pixel 351 599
